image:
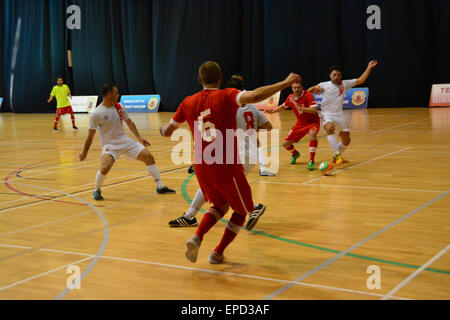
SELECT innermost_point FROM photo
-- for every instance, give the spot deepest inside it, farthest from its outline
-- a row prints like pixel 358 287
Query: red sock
pixel 209 220
pixel 73 119
pixel 312 149
pixel 56 121
pixel 292 150
pixel 234 225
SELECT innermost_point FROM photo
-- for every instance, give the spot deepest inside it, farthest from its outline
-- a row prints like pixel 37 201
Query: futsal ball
pixel 325 167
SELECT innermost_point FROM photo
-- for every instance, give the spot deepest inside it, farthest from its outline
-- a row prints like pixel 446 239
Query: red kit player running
pixel 209 113
pixel 308 122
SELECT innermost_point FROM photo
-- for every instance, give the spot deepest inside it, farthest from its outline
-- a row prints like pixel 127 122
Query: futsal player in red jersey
pixel 209 113
pixel 304 107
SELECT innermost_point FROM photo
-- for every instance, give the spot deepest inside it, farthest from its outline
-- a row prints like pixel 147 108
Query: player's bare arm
pixel 136 133
pixel 302 109
pixel 281 107
pixel 87 144
pixel 266 126
pixel 50 99
pixel 167 130
pixel 265 92
pixel 366 73
pixel 315 89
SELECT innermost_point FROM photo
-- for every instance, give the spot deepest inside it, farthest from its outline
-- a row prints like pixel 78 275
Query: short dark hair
pixel 210 72
pixel 59 77
pixel 107 88
pixel 235 82
pixel 336 68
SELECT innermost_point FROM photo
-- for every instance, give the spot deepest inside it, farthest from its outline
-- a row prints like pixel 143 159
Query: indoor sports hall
pixel 375 227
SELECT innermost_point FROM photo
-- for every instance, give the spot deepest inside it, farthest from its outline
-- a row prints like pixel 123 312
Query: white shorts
pixel 129 147
pixel 336 118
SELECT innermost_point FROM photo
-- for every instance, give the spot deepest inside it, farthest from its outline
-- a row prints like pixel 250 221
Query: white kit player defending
pixel 333 93
pixel 108 118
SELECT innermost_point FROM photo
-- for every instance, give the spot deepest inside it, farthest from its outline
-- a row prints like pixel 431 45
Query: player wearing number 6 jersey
pixel 209 113
pixel 249 119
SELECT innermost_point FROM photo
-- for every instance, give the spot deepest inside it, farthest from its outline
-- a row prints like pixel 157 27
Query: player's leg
pixel 331 136
pixel 289 146
pixel 262 163
pixel 345 138
pixel 239 195
pixel 188 218
pixel 55 124
pixel 72 117
pixel 312 147
pixel 147 158
pixel 106 163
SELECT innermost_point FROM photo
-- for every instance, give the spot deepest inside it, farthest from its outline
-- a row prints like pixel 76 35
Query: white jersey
pixel 249 119
pixel 110 128
pixel 333 95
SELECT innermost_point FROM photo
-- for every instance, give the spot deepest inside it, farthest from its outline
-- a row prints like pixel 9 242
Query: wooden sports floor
pixel 386 211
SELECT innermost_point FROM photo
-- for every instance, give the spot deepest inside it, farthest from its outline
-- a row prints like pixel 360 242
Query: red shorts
pixel 63 111
pixel 297 133
pixel 226 186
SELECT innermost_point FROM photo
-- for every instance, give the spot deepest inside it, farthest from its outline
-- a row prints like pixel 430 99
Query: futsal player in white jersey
pixel 249 119
pixel 333 93
pixel 108 118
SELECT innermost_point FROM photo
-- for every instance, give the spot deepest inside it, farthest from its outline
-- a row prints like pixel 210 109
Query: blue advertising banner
pixel 141 103
pixel 355 98
pixel 1 100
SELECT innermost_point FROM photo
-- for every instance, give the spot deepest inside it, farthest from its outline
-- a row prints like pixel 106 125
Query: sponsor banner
pixel 83 103
pixel 141 103
pixel 355 98
pixel 440 95
pixel 1 100
pixel 269 103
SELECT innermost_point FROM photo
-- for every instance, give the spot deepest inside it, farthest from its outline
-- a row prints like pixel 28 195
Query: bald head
pixel 210 73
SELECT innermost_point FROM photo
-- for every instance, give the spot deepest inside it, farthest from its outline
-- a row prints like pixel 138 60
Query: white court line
pixel 77 187
pixel 44 273
pixel 361 163
pixel 241 275
pixel 401 125
pixel 351 187
pixel 78 193
pixel 415 273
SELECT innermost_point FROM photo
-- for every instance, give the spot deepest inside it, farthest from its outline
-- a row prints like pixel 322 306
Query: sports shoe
pixel 337 158
pixel 55 129
pixel 183 222
pixel 329 167
pixel 310 165
pixel 294 158
pixel 255 215
pixel 215 258
pixel 75 128
pixel 97 195
pixel 192 246
pixel 191 169
pixel 265 173
pixel 165 190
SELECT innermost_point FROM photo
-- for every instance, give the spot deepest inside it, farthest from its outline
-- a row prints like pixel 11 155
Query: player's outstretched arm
pixel 167 130
pixel 316 89
pixel 136 133
pixel 87 144
pixel 271 111
pixel 265 92
pixel 366 73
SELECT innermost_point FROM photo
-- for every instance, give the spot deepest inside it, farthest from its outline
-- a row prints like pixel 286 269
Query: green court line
pixel 411 266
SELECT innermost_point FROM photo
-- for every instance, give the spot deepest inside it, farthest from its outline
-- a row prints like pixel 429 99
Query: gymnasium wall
pixel 156 46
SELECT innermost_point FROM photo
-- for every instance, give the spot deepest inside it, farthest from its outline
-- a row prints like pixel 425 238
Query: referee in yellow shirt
pixel 61 91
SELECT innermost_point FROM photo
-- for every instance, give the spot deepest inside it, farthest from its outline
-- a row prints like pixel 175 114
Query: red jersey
pixel 209 113
pixel 306 100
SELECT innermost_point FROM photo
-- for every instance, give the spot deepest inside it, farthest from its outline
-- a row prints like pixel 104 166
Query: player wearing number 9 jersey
pixel 223 183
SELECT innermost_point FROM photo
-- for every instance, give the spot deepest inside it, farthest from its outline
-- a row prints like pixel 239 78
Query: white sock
pixel 154 172
pixel 340 148
pixel 99 179
pixel 196 204
pixel 261 160
pixel 332 139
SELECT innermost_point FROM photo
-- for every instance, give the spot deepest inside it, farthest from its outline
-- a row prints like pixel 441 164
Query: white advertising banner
pixel 83 103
